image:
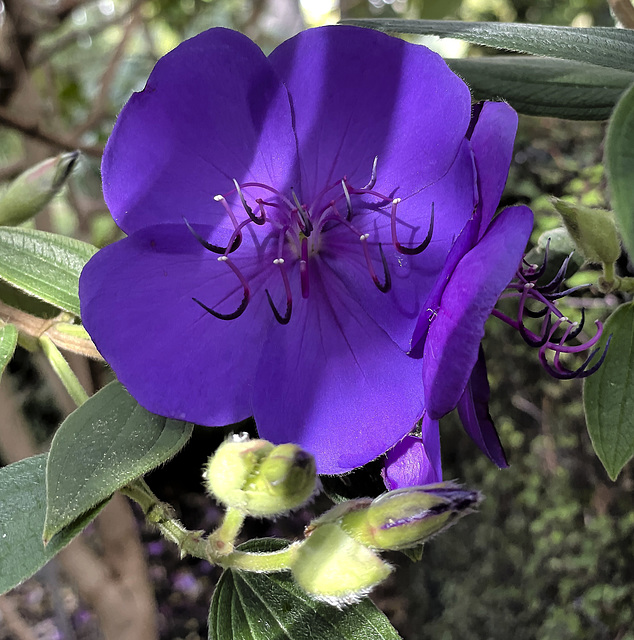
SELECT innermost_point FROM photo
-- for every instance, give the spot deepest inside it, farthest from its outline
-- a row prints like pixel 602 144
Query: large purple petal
pixel 358 94
pixel 451 347
pixel 175 358
pixel 212 110
pixel 415 461
pixel 473 409
pixel 492 141
pixel 333 382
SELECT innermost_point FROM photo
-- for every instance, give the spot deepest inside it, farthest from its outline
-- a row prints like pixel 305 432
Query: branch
pixel 98 109
pixel 623 10
pixel 34 130
pixel 45 53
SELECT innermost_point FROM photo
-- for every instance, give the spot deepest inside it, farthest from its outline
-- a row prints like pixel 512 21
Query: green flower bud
pixel 32 190
pixel 260 479
pixel 593 230
pixel 407 517
pixel 334 568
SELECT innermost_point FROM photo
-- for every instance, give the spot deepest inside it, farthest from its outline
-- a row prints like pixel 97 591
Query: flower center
pixel 300 227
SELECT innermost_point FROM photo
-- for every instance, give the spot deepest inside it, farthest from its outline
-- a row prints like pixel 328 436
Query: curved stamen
pixel 563 294
pixel 245 299
pixel 234 242
pixel 579 328
pixel 348 201
pixel 410 251
pixel 282 319
pixel 532 273
pixel 582 371
pixel 531 339
pixel 306 224
pixel 258 220
pixel 554 284
pixel 385 286
pixel 372 182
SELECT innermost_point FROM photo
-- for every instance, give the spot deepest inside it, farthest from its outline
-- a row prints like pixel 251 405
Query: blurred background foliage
pixel 551 555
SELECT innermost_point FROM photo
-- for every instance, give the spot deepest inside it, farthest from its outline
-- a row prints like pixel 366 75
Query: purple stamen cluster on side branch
pixel 556 331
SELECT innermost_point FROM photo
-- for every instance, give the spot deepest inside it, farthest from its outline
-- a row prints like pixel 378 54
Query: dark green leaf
pixel 44 265
pixel 22 512
pixel 102 446
pixel 619 161
pixel 603 46
pixel 260 606
pixel 545 86
pixel 8 341
pixel 608 394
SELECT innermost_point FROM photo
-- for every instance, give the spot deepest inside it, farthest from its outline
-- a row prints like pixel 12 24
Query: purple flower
pixel 483 264
pixel 287 218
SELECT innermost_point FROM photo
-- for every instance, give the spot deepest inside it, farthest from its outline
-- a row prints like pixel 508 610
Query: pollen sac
pixel 260 479
pixel 333 567
pixel 593 230
pixel 407 517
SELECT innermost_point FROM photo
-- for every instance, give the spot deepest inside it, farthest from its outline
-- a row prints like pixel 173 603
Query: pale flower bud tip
pixel 593 230
pixel 260 479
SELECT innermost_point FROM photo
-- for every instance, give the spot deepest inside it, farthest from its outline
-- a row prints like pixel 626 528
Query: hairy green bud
pixel 32 190
pixel 260 479
pixel 407 517
pixel 333 567
pixel 593 230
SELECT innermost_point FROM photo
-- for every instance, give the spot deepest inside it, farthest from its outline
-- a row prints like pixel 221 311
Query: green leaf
pixel 603 46
pixel 619 162
pixel 545 86
pixel 22 511
pixel 270 606
pixel 102 446
pixel 8 341
pixel 608 394
pixel 44 265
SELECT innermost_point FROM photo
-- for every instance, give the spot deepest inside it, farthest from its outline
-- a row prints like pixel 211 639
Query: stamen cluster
pixel 298 228
pixel 556 330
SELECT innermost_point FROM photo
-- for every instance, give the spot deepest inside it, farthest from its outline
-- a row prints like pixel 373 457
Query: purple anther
pixel 410 251
pixel 257 220
pixel 232 245
pixel 282 319
pixel 245 298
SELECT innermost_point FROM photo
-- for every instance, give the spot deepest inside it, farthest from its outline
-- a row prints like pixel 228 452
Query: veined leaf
pixel 22 511
pixel 608 394
pixel 619 162
pixel 267 606
pixel 603 46
pixel 102 446
pixel 545 86
pixel 44 265
pixel 8 342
